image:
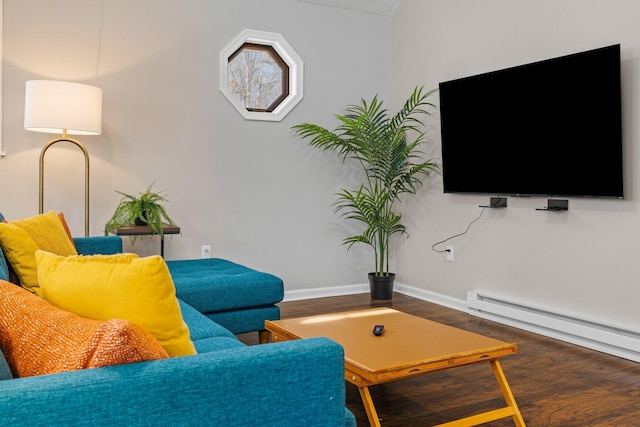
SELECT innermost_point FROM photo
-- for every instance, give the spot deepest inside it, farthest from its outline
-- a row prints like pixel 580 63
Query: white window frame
pixel 288 55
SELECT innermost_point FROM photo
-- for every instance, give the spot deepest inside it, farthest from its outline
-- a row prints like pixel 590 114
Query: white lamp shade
pixel 53 106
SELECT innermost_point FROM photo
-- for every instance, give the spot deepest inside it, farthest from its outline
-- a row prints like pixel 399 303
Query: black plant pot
pixel 139 221
pixel 381 287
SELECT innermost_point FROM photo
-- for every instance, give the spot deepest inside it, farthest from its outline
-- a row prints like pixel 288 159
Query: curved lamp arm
pixel 86 177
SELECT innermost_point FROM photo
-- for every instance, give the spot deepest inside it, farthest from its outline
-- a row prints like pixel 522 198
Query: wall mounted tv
pixel 549 128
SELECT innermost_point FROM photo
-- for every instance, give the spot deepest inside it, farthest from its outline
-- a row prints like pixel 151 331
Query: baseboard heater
pixel 609 339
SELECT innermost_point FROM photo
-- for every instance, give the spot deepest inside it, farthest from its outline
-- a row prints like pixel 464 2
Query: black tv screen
pixel 549 128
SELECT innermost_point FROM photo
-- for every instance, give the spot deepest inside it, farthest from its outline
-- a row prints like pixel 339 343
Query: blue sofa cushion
pixel 5 372
pixel 4 267
pixel 207 345
pixel 214 284
pixel 201 327
pixel 246 320
pixel 94 245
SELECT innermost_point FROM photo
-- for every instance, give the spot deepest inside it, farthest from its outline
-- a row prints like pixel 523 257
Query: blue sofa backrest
pixel 4 268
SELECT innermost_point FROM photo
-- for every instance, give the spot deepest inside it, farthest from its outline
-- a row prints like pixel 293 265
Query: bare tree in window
pixel 258 76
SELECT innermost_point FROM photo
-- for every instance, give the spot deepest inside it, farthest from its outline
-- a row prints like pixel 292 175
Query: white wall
pixel 583 262
pixel 248 188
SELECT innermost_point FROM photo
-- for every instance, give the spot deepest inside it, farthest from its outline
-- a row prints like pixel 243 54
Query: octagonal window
pixel 261 75
pixel 258 76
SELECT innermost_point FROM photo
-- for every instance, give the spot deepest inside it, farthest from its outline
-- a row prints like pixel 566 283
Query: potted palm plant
pixel 143 209
pixel 391 166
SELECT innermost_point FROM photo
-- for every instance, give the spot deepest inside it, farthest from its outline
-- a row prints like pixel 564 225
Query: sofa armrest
pixel 282 384
pixel 93 245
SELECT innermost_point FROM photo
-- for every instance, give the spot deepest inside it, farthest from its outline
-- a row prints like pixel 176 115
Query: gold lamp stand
pixel 86 175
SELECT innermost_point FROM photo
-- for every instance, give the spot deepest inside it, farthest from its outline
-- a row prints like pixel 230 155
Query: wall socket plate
pixel 450 253
pixel 205 251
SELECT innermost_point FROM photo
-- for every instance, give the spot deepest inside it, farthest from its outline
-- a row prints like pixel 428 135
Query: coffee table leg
pixel 506 392
pixel 264 337
pixel 369 407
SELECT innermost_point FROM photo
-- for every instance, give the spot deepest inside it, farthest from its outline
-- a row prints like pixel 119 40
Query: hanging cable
pixel 433 247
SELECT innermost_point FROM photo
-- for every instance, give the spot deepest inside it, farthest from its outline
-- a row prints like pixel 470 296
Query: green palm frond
pixel 391 165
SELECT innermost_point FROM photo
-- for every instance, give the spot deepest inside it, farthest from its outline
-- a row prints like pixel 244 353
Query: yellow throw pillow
pixel 121 286
pixel 22 238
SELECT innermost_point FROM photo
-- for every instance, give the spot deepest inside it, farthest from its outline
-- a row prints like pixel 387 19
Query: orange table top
pixel 408 345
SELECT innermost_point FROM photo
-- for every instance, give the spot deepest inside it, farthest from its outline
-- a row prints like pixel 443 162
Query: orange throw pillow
pixel 63 220
pixel 38 338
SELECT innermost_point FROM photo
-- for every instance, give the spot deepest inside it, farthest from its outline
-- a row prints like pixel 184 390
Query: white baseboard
pixel 434 297
pixel 333 291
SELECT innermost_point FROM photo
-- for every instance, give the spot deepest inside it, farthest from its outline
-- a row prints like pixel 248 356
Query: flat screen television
pixel 548 128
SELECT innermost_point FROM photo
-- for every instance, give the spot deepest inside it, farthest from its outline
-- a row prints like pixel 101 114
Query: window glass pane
pixel 258 77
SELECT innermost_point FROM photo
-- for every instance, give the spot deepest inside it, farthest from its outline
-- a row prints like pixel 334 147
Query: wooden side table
pixel 145 230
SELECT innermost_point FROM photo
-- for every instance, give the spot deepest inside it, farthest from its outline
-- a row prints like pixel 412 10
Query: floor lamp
pixel 67 108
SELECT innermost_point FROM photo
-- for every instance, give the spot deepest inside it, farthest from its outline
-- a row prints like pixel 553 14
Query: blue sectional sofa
pixel 295 383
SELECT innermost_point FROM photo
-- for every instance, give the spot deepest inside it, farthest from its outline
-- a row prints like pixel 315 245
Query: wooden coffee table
pixel 409 346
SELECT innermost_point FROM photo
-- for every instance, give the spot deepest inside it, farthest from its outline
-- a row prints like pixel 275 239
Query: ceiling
pixel 380 7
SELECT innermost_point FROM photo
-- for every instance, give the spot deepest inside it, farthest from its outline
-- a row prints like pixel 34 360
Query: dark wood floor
pixel 554 383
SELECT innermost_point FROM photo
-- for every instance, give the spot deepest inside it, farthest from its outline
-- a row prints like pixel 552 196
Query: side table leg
pixel 372 415
pixel 506 392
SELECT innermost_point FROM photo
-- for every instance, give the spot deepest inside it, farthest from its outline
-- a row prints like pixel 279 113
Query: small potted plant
pixel 391 166
pixel 144 209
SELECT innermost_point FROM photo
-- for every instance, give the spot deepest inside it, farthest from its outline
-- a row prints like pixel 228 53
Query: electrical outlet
pixel 450 253
pixel 205 251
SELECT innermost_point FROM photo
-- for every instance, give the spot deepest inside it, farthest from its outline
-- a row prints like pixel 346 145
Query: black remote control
pixel 377 330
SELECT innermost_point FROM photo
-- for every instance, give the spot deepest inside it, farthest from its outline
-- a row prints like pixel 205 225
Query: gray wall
pixel 248 188
pixel 583 262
